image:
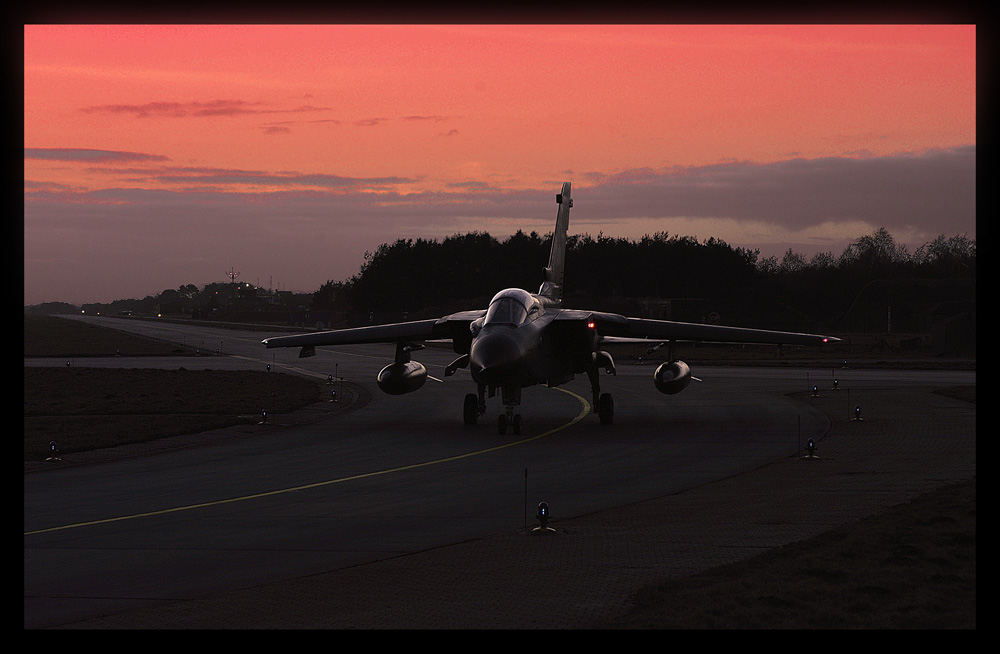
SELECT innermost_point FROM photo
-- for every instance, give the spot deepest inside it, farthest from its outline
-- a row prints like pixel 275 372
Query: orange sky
pixel 250 110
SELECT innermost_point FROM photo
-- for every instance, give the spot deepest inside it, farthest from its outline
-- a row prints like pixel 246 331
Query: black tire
pixel 606 409
pixel 470 412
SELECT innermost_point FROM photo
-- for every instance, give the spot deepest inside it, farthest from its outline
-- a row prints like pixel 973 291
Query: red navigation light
pixel 591 325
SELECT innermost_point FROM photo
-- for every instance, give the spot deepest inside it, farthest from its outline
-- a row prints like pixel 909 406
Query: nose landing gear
pixel 475 406
pixel 511 398
pixel 510 418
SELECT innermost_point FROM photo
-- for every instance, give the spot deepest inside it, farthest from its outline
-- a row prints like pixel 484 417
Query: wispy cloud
pixel 196 109
pixel 91 156
pixel 284 126
pixel 257 178
pixel 436 119
pixel 205 178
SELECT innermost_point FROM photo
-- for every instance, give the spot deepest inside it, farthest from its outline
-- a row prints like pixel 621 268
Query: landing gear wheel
pixel 470 411
pixel 606 409
pixel 517 424
pixel 502 424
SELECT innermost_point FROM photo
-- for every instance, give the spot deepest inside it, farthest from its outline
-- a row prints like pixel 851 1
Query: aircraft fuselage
pixel 510 355
pixel 521 343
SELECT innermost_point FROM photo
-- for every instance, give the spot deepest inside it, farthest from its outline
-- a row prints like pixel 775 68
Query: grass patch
pixel 910 567
pixel 90 408
pixel 52 336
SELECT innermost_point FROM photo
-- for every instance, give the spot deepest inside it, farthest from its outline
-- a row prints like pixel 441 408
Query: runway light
pixel 543 517
pixel 333 395
pixel 811 446
pixel 835 387
pixel 329 379
pixel 263 416
pixel 857 412
pixel 815 391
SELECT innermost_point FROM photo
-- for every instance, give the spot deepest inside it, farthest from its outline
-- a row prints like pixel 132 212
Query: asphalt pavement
pixel 584 572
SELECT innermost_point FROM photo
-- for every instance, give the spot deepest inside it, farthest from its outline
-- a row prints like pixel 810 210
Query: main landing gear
pixel 606 408
pixel 475 406
pixel 470 411
pixel 603 402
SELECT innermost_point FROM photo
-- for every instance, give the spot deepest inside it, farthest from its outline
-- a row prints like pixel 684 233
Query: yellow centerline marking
pixel 580 416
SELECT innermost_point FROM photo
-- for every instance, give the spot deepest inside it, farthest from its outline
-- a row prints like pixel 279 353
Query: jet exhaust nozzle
pixel 672 377
pixel 400 378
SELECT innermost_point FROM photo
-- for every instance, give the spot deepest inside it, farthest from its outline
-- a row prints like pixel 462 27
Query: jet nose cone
pixel 493 356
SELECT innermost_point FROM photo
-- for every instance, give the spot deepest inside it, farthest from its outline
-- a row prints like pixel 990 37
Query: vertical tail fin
pixel 552 287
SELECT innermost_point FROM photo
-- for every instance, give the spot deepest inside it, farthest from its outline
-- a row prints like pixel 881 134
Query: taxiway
pixel 398 476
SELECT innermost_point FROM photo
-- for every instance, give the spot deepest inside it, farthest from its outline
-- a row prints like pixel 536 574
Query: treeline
pixel 217 300
pixel 872 282
pixel 665 276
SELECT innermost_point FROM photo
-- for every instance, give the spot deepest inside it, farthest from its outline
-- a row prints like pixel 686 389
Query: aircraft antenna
pixel 232 274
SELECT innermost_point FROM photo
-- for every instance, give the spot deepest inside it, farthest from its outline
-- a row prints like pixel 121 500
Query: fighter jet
pixel 523 339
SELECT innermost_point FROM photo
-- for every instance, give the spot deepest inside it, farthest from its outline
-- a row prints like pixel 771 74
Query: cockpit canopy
pixel 512 306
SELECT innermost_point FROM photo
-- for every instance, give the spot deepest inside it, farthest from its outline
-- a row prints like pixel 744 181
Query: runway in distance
pixel 523 339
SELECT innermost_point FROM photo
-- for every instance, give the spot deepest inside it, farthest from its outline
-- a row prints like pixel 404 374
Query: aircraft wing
pixel 614 325
pixel 454 326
